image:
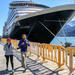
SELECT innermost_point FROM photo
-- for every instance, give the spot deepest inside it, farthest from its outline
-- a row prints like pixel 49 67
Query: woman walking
pixel 8 47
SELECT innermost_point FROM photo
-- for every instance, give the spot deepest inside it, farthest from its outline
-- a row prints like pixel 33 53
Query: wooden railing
pixel 54 53
pixel 70 58
pixel 3 40
pixel 35 48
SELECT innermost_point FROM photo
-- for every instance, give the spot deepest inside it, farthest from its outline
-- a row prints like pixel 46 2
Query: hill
pixel 68 30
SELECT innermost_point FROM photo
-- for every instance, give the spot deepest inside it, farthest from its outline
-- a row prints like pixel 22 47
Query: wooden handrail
pixel 69 53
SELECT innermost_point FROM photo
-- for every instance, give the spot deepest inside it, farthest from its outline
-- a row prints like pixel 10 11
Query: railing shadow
pixel 35 67
pixel 38 68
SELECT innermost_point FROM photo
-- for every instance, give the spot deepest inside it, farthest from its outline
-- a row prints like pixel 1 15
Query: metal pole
pixel 30 31
pixel 51 32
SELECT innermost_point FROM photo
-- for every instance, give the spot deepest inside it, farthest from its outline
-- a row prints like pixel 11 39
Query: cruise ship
pixel 39 22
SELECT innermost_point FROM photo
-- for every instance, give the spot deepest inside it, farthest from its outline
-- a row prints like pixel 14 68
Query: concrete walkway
pixel 34 67
pixel 18 69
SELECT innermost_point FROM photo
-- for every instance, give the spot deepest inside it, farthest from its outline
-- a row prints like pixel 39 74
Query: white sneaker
pixel 13 71
pixel 6 69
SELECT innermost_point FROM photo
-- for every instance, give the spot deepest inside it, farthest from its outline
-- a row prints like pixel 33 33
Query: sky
pixel 4 8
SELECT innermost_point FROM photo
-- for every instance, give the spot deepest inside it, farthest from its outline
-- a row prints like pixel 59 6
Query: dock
pixel 35 66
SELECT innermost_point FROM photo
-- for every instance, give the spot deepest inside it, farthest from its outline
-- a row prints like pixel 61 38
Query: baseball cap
pixel 8 39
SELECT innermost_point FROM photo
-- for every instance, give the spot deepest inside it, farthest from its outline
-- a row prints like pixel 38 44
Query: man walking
pixel 23 45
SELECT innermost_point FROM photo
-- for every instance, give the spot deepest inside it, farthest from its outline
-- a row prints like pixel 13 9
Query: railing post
pixel 59 57
pixel 66 56
pixel 63 56
pixel 43 54
pixel 48 52
pixel 52 53
pixel 71 61
pixel 38 50
pixel 55 58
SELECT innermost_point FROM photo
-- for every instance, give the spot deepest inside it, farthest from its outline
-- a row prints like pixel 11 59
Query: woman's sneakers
pixel 13 71
pixel 6 69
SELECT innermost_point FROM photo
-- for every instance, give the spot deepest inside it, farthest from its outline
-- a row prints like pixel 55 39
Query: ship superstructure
pixel 20 8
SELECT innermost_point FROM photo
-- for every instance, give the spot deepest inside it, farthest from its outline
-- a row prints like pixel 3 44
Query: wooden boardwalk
pixel 33 66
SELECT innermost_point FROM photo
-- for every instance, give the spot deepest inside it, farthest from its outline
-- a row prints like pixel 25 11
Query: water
pixel 63 39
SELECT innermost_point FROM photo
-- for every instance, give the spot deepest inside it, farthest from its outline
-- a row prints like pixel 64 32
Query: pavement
pixel 34 67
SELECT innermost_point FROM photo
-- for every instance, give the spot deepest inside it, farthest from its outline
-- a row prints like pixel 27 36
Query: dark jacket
pixel 23 47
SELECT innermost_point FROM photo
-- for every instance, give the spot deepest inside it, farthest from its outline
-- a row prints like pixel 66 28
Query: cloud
pixel 73 18
pixel 0 33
